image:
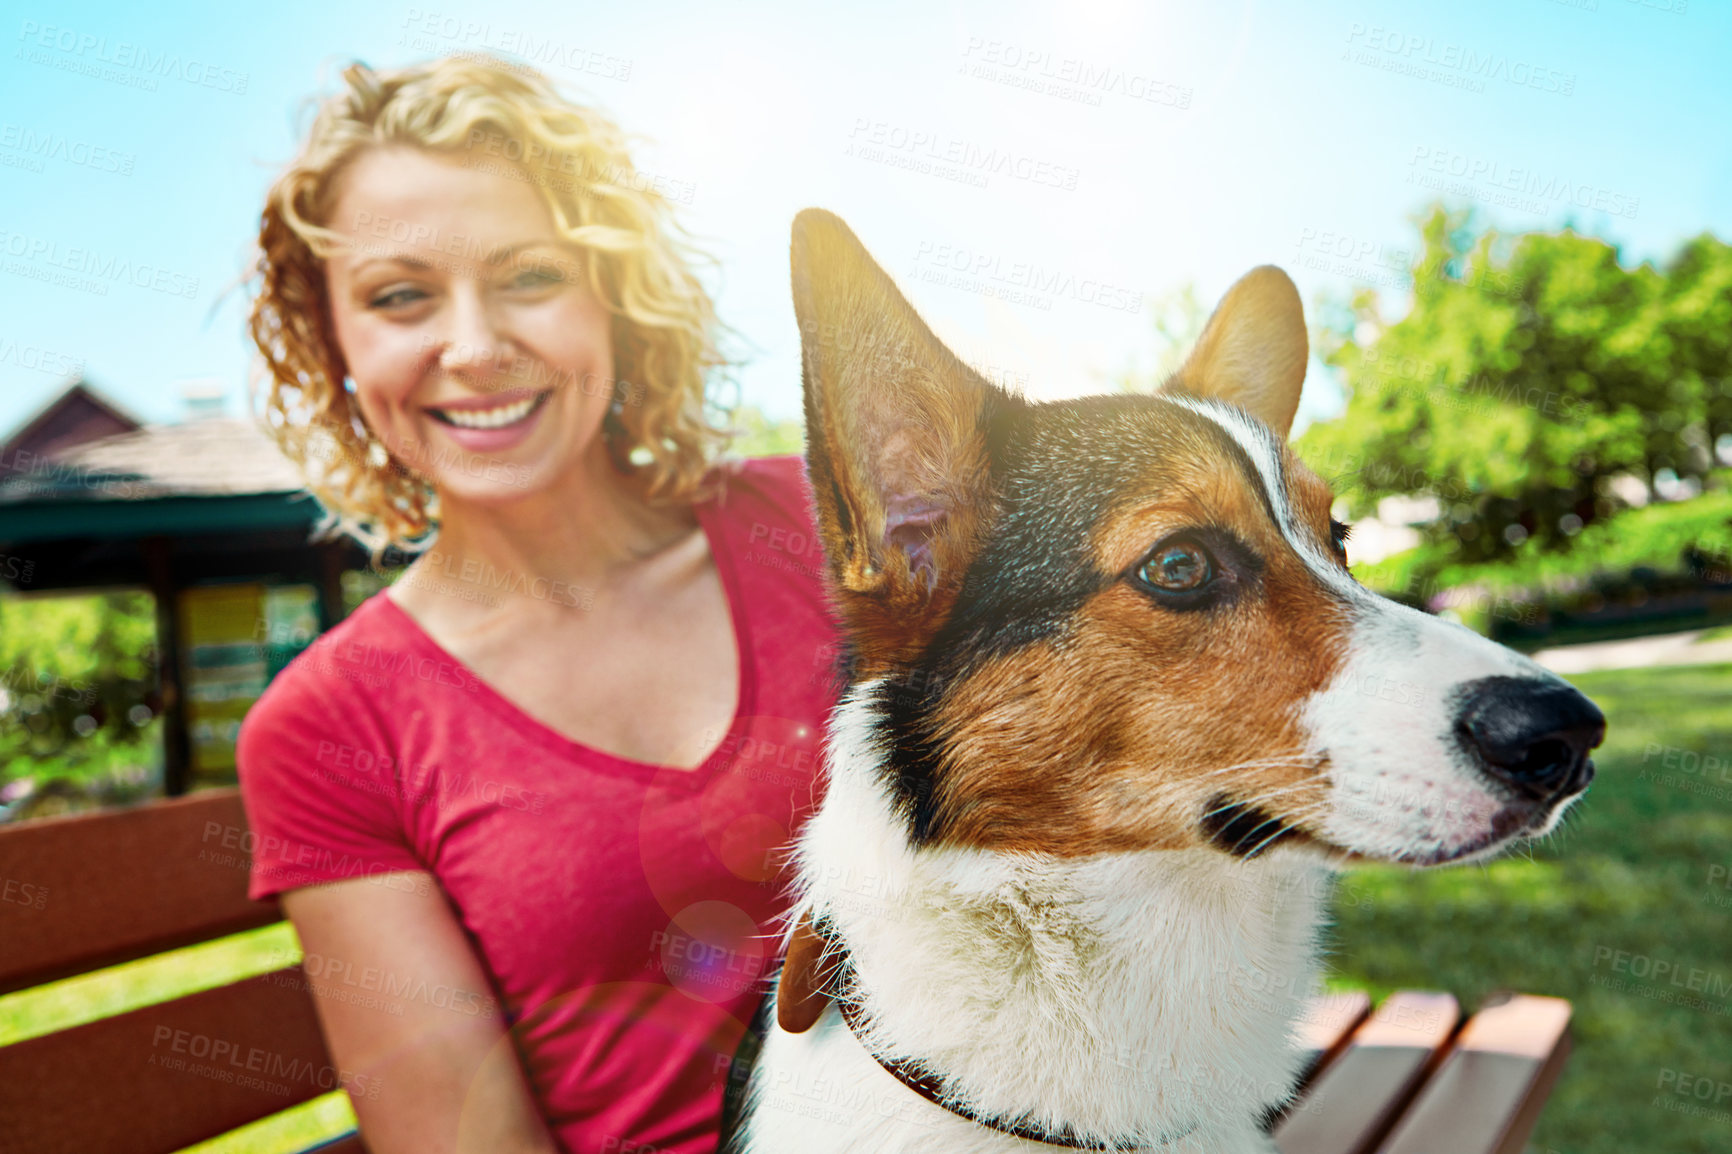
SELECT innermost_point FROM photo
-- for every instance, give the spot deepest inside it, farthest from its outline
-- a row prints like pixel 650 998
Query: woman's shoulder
pixel 318 765
pixel 341 671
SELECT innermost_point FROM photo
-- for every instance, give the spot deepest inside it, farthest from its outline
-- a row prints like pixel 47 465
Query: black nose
pixel 1530 734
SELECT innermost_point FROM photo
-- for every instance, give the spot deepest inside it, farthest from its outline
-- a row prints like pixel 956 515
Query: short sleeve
pixel 317 780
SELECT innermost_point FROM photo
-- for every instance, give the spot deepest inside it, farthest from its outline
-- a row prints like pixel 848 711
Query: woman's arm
pixel 441 1076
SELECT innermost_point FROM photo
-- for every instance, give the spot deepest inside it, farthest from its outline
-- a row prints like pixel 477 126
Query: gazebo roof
pixel 213 475
pixel 212 457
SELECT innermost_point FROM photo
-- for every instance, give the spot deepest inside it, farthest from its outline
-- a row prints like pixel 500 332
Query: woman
pixel 524 807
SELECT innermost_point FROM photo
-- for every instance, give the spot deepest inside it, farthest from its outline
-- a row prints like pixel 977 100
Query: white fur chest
pixel 1142 994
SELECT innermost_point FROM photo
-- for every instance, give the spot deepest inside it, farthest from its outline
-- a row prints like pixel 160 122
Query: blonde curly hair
pixel 511 119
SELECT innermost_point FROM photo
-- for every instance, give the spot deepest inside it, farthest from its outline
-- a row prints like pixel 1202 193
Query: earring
pixel 613 424
pixel 617 436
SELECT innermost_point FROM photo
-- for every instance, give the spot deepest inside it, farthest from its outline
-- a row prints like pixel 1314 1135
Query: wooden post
pixel 176 742
pixel 330 583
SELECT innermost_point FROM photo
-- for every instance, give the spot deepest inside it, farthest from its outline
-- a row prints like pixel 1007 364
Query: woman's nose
pixel 472 337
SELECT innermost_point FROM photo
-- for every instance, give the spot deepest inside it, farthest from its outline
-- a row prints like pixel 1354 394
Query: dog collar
pixel 929 1087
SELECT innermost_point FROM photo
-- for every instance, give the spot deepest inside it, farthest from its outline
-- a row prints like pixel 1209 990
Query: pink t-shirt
pixel 624 911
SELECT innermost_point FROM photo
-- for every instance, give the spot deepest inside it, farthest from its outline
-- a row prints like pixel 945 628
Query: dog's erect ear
pixel 895 444
pixel 1252 352
pixel 804 987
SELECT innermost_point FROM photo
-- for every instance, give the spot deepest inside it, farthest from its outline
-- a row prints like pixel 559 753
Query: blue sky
pixel 1035 176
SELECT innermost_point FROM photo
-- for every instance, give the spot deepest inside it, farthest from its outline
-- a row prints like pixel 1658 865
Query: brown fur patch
pixel 1116 737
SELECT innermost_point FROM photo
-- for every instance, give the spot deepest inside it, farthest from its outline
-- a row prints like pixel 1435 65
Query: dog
pixel 1115 712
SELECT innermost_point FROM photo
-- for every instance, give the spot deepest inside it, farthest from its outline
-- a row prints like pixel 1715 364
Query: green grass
pixel 1630 871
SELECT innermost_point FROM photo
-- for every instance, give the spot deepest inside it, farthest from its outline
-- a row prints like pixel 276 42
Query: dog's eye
pixel 1178 567
pixel 1338 534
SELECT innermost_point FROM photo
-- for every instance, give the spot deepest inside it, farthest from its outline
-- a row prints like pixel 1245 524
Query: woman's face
pixel 479 355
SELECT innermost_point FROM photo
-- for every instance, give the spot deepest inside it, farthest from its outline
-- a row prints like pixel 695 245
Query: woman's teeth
pixel 490 418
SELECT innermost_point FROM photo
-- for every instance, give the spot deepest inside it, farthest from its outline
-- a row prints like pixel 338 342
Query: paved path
pixel 1637 653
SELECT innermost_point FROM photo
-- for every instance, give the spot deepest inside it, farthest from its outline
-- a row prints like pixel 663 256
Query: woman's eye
pixel 1181 567
pixel 396 298
pixel 537 278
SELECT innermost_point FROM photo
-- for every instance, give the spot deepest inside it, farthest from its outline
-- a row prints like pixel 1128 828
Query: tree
pixel 78 698
pixel 1531 371
pixel 758 436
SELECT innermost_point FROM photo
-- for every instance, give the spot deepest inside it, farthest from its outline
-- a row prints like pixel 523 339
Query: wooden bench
pixel 105 888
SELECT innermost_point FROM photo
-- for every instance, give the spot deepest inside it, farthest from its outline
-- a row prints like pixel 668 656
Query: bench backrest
pixel 95 890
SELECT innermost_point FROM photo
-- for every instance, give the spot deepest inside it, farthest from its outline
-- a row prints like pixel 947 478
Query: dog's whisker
pixel 1273 791
pixel 1256 800
pixel 1262 763
pixel 1241 839
pixel 1284 823
pixel 1291 821
pixel 1283 759
pixel 1248 767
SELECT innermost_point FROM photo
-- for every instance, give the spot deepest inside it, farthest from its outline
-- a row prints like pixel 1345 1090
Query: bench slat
pixel 1320 1036
pixel 121 885
pixel 1353 1102
pixel 1488 1093
pixel 168 1076
pixel 1327 1028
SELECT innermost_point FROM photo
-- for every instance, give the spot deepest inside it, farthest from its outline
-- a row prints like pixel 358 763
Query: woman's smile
pixel 494 423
